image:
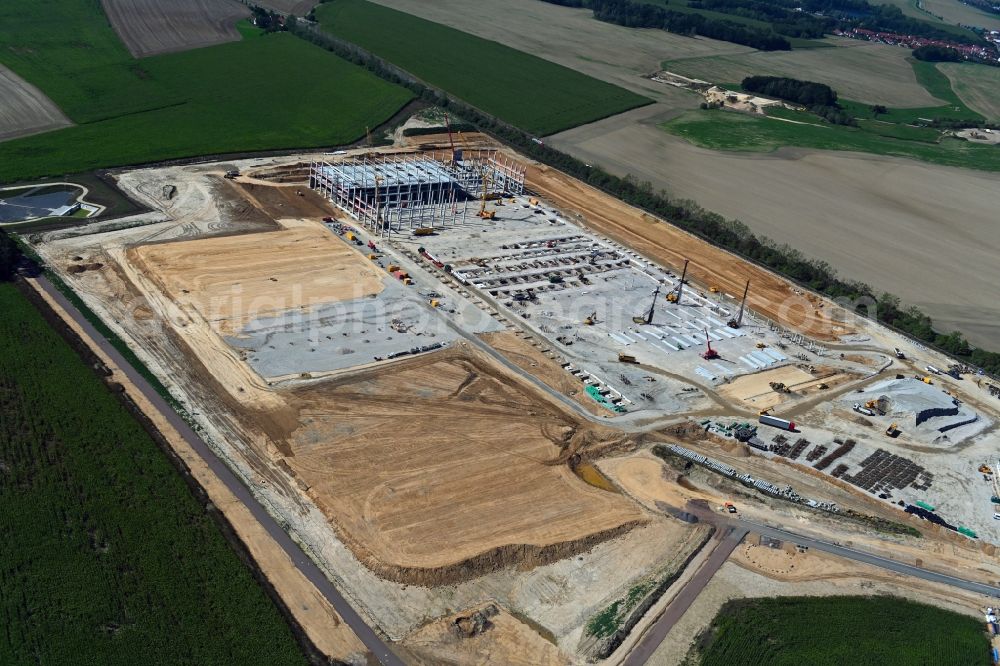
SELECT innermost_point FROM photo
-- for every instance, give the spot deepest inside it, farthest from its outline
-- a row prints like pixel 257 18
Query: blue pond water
pixel 27 203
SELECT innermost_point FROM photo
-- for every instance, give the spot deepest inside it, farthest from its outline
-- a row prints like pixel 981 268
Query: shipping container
pixel 776 422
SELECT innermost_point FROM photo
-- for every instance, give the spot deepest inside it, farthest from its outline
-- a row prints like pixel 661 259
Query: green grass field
pixel 265 92
pixel 106 556
pixel 836 631
pixel 533 94
pixel 976 85
pixel 723 130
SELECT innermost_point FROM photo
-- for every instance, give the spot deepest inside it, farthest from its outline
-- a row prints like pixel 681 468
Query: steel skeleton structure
pixel 388 193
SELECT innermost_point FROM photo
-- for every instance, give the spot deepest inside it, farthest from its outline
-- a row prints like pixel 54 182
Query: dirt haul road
pixel 24 109
pixel 926 233
pixel 150 27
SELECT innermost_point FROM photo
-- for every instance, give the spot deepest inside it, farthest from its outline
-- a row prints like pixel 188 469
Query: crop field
pixel 148 27
pixel 868 72
pixel 887 631
pixel 311 98
pixel 267 91
pixel 572 38
pixel 524 90
pixel 738 132
pixel 976 85
pixel 490 445
pixel 107 557
pixel 956 12
pixel 25 109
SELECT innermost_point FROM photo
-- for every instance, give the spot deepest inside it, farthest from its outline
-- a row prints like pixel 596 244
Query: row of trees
pixel 787 18
pixel 931 53
pixel 643 15
pixel 10 255
pixel 819 98
pixel 732 235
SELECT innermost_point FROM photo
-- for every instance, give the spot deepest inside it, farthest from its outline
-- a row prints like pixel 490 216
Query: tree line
pixel 787 18
pixel 932 53
pixel 819 98
pixel 643 15
pixel 732 235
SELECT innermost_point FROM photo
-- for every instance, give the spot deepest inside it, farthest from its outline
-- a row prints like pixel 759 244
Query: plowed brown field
pixel 148 27
pixel 24 109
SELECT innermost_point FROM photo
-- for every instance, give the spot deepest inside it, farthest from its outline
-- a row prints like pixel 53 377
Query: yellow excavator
pixel 591 319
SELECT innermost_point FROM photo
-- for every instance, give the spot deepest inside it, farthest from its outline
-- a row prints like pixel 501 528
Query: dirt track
pixel 24 109
pixel 150 27
pixel 923 232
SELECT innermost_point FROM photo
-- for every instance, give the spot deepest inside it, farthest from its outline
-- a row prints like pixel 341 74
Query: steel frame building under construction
pixel 389 193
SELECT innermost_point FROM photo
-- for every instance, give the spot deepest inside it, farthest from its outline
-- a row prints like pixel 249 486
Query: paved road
pixel 735 529
pixel 868 558
pixel 308 568
pixel 650 641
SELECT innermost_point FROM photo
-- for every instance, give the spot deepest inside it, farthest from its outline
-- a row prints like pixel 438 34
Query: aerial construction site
pixel 509 415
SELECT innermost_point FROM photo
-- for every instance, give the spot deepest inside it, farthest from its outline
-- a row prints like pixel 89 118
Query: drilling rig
pixel 738 321
pixel 675 295
pixel 647 318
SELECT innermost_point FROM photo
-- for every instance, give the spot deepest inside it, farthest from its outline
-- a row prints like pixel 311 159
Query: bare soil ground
pixel 573 38
pixel 232 279
pixel 149 27
pixel 870 217
pixel 862 71
pixel 472 483
pixel 504 639
pixel 530 359
pixel 976 85
pixel 24 109
pixel 755 390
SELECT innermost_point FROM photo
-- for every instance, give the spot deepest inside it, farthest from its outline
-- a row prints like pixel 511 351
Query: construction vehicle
pixel 392 268
pixel 761 345
pixel 591 319
pixel 647 318
pixel 371 246
pixel 373 257
pixel 407 281
pixel 423 231
pixel 533 201
pixel 730 507
pixel 779 387
pixel 626 358
pixel 985 469
pixel 863 410
pixel 351 236
pixel 899 353
pixel 765 411
pixel 675 295
pixel 435 302
pixel 714 290
pixel 737 321
pixel 927 380
pixel 709 353
pixel 893 430
pixel 232 174
pixel 456 155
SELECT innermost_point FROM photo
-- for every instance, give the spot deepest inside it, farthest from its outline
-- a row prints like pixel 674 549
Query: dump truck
pixel 626 358
pixel 775 422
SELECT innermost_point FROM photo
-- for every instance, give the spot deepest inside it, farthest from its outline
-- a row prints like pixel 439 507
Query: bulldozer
pixel 672 297
pixel 779 387
pixel 761 345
